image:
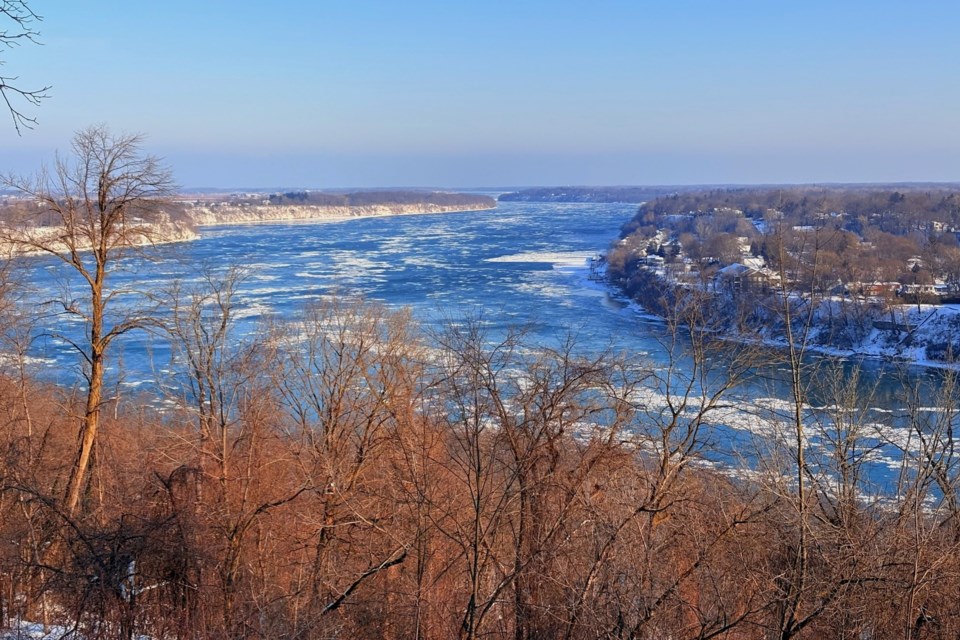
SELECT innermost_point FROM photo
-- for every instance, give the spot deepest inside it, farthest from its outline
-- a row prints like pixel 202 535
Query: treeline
pixel 897 211
pixel 822 239
pixel 25 212
pixel 854 255
pixel 373 198
pixel 590 194
pixel 345 474
pixel 26 215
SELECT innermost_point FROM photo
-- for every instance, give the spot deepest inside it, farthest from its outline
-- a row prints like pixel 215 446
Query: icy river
pixel 518 265
pixel 522 264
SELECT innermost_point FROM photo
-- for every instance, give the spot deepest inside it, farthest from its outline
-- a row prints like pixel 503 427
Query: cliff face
pixel 27 241
pixel 230 214
pixel 24 240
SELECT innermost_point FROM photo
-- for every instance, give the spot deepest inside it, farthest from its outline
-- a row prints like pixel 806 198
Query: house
pixel 739 278
pixel 918 289
pixel 875 289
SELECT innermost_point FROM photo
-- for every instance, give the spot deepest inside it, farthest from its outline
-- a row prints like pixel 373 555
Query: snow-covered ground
pixel 925 335
pixel 559 259
pixel 24 630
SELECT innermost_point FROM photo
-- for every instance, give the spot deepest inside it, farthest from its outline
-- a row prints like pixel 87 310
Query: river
pixel 522 264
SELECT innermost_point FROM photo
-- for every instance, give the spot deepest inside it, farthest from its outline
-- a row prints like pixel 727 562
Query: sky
pixel 457 93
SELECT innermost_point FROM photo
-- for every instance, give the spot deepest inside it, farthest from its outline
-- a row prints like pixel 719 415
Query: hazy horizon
pixel 253 188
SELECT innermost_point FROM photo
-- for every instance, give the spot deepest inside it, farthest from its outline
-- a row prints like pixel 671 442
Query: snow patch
pixel 558 259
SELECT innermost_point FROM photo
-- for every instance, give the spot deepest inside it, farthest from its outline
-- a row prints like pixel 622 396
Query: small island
pixel 852 270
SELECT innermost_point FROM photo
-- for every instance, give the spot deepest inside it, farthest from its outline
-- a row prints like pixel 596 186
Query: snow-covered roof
pixel 736 269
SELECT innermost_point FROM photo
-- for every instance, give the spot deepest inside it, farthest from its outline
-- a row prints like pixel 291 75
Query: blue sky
pixel 460 93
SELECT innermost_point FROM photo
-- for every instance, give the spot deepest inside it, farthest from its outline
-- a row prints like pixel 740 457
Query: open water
pixel 518 265
pixel 522 264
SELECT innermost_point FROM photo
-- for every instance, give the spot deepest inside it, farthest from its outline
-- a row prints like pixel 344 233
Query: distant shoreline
pixel 319 213
pixel 186 228
pixel 872 350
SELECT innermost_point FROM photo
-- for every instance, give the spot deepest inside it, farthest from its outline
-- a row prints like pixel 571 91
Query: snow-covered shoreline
pixel 920 327
pixel 228 215
pixel 171 232
pixel 27 242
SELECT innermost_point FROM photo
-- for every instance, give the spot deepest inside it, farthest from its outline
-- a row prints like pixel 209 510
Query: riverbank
pixel 219 215
pixel 185 225
pixel 46 240
pixel 924 335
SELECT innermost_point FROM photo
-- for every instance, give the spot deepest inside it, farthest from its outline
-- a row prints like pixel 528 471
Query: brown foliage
pixel 349 476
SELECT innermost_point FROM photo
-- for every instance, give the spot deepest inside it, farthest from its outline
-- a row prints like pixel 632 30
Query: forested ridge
pixel 588 194
pixel 381 197
pixel 691 196
pixel 896 210
pixel 864 260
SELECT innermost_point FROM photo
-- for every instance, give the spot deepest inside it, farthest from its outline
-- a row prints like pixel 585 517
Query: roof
pixel 737 269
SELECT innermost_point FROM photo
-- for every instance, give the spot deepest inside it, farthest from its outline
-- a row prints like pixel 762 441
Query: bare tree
pixel 91 209
pixel 23 19
pixel 347 383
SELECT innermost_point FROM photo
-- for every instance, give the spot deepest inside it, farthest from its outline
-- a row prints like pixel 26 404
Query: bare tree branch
pixel 23 19
pixel 93 206
pixel 395 558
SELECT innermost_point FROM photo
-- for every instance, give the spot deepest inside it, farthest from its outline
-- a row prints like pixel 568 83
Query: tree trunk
pixel 88 433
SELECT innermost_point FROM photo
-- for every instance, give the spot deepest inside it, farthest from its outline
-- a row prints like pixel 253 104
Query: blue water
pixel 520 265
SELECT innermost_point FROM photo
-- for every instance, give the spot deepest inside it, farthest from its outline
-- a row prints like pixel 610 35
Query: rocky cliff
pixel 42 240
pixel 180 223
pixel 242 214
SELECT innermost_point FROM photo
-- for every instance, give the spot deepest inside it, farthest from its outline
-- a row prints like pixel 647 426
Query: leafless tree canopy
pixel 96 204
pixel 18 26
pixel 345 474
pixel 99 198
